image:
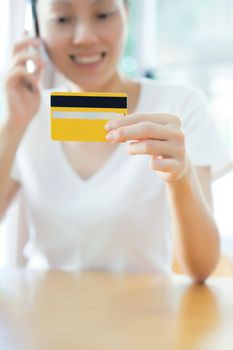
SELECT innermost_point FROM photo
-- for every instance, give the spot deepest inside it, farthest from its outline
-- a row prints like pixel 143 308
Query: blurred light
pixel 30 65
pixel 4 30
pixel 129 64
pixel 222 86
pixel 28 21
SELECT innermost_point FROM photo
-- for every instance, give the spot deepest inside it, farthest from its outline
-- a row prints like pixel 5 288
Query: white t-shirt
pixel 117 220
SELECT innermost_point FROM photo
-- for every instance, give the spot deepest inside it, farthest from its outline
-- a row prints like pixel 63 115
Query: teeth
pixel 88 59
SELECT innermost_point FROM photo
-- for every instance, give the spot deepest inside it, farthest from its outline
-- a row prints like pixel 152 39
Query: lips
pixel 88 59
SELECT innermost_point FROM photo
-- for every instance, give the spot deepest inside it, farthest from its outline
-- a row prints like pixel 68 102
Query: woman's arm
pixel 196 238
pixel 195 232
pixel 22 100
pixel 9 140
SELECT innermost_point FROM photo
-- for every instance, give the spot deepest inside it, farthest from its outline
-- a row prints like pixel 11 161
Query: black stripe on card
pixel 89 101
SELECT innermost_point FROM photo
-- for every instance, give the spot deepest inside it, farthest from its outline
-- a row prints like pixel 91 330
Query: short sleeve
pixel 203 140
pixel 15 173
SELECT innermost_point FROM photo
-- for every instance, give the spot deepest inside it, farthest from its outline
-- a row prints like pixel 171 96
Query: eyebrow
pixel 63 2
pixel 67 2
pixel 98 1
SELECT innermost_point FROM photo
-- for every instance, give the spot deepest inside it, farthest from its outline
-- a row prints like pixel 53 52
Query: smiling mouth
pixel 96 58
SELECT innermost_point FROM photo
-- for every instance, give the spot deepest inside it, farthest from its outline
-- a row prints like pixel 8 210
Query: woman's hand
pixel 157 135
pixel 22 93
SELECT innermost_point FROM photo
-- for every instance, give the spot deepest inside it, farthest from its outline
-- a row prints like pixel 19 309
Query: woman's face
pixel 84 38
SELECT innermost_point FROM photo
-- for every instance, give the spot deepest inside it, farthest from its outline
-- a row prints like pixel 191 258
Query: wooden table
pixel 87 311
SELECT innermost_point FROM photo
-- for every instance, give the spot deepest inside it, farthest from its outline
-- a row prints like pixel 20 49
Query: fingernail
pixel 110 136
pixel 108 126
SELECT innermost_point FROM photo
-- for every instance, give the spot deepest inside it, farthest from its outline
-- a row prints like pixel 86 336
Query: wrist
pixel 186 179
pixel 13 131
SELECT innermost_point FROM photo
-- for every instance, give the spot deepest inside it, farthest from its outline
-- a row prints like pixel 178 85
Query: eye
pixel 102 16
pixel 105 15
pixel 63 20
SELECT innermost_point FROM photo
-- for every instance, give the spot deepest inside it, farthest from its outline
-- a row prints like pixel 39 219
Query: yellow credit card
pixel 79 116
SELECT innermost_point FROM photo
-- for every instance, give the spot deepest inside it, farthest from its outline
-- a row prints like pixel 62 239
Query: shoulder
pixel 171 90
pixel 169 98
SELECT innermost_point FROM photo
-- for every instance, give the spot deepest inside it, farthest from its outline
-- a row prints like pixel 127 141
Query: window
pixel 4 30
pixel 195 45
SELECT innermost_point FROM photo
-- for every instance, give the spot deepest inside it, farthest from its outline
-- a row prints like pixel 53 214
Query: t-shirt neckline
pixel 118 155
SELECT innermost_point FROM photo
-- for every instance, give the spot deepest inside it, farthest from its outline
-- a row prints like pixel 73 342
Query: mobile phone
pixel 31 26
pixel 35 18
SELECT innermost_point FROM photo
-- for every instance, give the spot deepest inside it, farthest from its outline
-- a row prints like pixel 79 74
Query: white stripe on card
pixel 86 115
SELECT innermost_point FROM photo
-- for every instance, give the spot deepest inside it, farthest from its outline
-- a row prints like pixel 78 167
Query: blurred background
pixel 178 41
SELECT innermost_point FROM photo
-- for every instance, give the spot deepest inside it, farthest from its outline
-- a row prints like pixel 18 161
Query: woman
pixel 94 206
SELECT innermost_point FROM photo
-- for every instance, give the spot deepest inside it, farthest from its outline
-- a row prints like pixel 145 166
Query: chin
pixel 93 85
pixel 89 87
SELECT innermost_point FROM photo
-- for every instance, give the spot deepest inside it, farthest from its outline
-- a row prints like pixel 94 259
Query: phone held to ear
pixel 31 26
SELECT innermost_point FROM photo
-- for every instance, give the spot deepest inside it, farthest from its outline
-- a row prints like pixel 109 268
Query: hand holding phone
pixel 31 26
pixel 22 83
pixel 22 89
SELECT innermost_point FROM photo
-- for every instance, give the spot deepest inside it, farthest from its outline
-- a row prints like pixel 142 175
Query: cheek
pixel 55 44
pixel 52 38
pixel 116 37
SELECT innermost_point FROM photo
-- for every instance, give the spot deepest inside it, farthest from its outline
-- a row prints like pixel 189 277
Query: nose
pixel 84 34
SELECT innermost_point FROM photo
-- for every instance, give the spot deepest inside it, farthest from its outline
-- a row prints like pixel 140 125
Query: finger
pixel 139 131
pixel 170 165
pixel 32 83
pixel 25 43
pixel 19 75
pixel 22 57
pixel 163 149
pixel 159 118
